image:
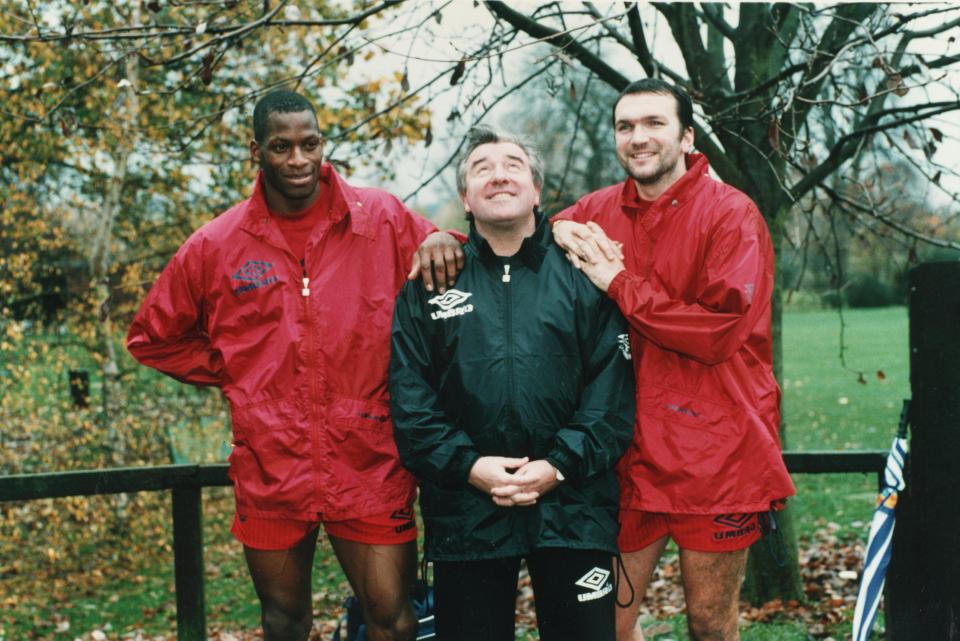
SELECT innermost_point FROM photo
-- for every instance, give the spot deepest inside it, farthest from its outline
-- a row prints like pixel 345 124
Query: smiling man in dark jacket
pixel 512 400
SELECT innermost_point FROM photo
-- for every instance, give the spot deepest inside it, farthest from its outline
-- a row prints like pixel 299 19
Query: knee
pixel 391 624
pixel 712 624
pixel 286 623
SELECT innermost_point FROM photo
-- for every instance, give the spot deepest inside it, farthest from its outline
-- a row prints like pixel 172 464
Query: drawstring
pixel 423 568
pixel 776 548
pixel 620 570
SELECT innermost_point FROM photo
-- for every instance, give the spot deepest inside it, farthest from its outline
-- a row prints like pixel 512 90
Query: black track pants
pixel 573 592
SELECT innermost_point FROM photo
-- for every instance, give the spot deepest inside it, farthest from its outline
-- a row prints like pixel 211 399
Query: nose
pixel 639 136
pixel 499 174
pixel 297 158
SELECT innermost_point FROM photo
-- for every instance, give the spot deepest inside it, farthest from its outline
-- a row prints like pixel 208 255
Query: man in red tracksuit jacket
pixel 694 282
pixel 285 303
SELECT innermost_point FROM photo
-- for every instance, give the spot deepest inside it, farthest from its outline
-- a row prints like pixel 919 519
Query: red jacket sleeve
pixel 168 333
pixel 714 318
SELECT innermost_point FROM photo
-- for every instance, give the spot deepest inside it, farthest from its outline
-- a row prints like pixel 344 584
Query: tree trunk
pixel 773 568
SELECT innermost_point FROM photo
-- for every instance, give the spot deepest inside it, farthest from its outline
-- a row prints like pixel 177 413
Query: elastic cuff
pixel 562 463
pixel 468 461
pixel 613 289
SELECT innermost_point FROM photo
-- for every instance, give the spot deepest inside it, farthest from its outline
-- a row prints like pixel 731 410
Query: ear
pixel 254 153
pixel 686 141
pixel 536 201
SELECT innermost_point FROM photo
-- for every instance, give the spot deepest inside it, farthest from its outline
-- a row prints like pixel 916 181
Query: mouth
pixel 500 196
pixel 300 180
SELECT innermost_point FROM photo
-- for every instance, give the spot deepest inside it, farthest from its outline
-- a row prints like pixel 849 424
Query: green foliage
pixel 92 561
pixel 866 290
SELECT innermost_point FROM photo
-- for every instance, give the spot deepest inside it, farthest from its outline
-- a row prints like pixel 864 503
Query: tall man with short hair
pixel 513 399
pixel 694 282
pixel 284 302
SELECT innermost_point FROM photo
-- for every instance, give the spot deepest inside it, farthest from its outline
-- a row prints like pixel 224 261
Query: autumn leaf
pixel 773 134
pixel 206 73
pixel 458 72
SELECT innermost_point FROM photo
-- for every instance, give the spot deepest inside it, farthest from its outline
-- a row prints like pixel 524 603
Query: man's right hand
pixel 496 472
pixel 582 244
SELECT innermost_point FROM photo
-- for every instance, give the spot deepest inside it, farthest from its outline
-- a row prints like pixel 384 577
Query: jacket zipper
pixel 311 369
pixel 508 324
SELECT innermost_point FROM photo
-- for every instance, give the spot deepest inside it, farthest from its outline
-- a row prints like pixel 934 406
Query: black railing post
pixel 923 583
pixel 188 563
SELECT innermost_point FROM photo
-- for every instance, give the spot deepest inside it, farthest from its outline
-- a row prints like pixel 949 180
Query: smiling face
pixel 650 141
pixel 290 156
pixel 499 187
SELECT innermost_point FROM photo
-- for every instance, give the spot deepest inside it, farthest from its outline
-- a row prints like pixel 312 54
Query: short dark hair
pixel 280 101
pixel 483 135
pixel 655 85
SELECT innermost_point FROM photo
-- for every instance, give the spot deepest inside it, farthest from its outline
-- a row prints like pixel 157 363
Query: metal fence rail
pixel 186 482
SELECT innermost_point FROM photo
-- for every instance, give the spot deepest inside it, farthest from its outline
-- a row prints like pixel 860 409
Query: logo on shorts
pixel 405 515
pixel 735 526
pixel 597 581
pixel 254 274
pixel 623 341
pixel 450 304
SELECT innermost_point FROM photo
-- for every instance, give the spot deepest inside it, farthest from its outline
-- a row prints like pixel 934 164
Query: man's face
pixel 290 156
pixel 650 142
pixel 499 185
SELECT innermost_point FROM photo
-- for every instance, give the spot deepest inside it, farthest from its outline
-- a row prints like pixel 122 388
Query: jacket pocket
pixel 690 410
pixel 364 463
pixel 271 462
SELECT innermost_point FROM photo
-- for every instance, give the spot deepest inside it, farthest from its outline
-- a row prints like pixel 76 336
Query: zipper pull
pixel 306 287
pixel 506 274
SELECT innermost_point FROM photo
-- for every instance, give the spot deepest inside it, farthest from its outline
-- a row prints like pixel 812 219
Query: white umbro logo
pixel 623 340
pixel 450 304
pixel 450 299
pixel 596 581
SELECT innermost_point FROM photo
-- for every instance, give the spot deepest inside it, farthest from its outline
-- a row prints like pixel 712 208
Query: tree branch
pixel 713 14
pixel 560 40
pixel 845 147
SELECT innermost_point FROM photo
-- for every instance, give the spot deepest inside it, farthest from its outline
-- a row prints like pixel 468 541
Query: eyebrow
pixel 283 138
pixel 482 159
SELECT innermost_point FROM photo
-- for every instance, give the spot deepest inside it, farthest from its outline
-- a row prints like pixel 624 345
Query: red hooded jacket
pixel 696 292
pixel 303 365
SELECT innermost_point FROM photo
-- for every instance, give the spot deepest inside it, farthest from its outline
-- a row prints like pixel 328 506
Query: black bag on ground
pixel 351 626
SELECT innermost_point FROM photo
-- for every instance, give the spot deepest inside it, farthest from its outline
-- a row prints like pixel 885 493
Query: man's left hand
pixel 602 271
pixel 533 480
pixel 438 260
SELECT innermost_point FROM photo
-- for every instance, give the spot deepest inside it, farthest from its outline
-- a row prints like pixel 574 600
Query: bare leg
pixel 282 581
pixel 639 566
pixel 711 587
pixel 382 577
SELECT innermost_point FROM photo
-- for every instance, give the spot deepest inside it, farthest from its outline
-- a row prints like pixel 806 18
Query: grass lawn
pixel 826 407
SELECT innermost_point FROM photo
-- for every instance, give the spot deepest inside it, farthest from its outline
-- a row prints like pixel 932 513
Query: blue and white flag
pixel 881 536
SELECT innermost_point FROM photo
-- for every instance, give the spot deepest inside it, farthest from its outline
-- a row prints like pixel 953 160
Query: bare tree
pixel 791 100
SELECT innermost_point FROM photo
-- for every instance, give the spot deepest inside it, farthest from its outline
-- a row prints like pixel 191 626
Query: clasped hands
pixel 590 250
pixel 513 481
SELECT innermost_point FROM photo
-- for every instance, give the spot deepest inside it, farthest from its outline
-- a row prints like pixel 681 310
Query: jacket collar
pixel 678 193
pixel 531 253
pixel 344 203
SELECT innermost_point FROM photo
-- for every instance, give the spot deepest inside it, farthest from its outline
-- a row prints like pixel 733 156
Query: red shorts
pixel 698 532
pixel 389 528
